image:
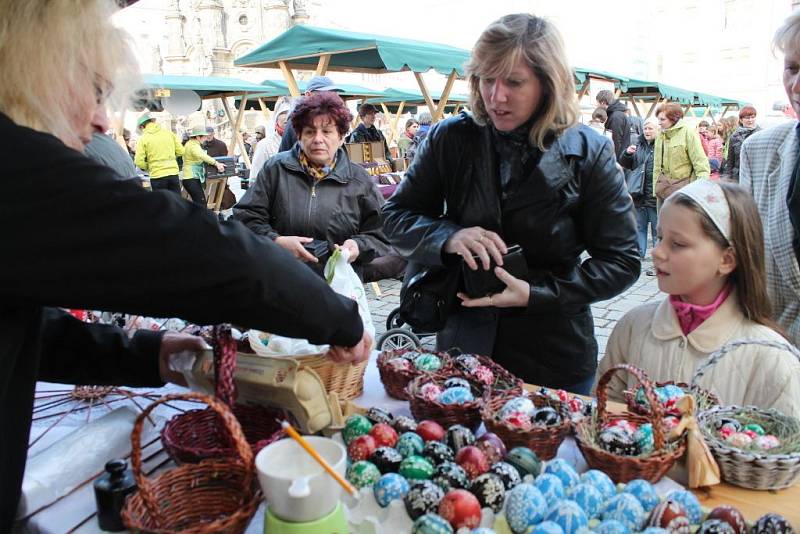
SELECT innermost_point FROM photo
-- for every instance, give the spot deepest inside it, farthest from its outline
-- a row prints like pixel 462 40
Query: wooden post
pixel 584 89
pixel 239 140
pixel 635 107
pixel 322 65
pixel 653 107
pixel 288 75
pixel 264 109
pixel 425 94
pixel 617 92
pixel 392 122
pixel 445 95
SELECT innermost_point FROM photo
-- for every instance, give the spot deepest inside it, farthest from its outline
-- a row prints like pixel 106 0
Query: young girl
pixel 710 260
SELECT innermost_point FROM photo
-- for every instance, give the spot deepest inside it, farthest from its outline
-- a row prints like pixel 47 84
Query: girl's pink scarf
pixel 690 316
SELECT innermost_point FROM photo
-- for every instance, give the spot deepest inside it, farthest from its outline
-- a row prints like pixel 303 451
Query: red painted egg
pixel 384 435
pixel 750 433
pixel 671 516
pixel 730 515
pixel 430 430
pixel 492 446
pixel 628 426
pixel 461 508
pixel 361 448
pixel 517 420
pixel 472 460
pixel 563 396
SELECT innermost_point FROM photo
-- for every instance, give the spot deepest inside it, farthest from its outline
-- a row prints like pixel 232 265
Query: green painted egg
pixel 758 429
pixel 525 461
pixel 428 362
pixel 363 473
pixel 431 524
pixel 410 444
pixel 416 468
pixel 354 426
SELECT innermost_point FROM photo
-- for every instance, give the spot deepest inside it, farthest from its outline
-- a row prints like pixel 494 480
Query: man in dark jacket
pixel 617 122
pixel 638 160
pixel 93 242
pixel 366 132
pixel 314 85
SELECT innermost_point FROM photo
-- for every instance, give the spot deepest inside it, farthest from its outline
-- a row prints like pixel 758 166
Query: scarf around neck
pixel 314 171
pixel 690 316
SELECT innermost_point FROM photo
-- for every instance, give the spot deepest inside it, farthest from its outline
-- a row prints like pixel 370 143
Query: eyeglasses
pixel 745 117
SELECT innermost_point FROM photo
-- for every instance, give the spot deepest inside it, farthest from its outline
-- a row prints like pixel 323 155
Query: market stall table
pixel 75 512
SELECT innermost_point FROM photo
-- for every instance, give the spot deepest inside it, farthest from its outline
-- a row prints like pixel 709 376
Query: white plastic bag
pixel 344 280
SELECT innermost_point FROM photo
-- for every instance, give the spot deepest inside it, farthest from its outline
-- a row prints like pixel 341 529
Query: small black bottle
pixel 110 490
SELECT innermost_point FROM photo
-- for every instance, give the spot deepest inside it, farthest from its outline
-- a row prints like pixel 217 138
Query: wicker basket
pixel 199 434
pixel 347 381
pixel 213 496
pixel 543 440
pixel 750 469
pixel 395 380
pixel 504 381
pixel 705 399
pixel 620 468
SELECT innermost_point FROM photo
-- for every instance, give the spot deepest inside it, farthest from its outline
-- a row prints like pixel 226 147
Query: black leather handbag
pixel 481 283
pixel 427 296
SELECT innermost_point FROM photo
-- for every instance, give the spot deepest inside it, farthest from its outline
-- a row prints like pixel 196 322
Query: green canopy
pixel 395 96
pixel 620 82
pixel 205 86
pixel 348 90
pixel 301 46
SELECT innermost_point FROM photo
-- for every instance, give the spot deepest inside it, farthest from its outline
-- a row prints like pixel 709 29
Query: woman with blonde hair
pixel 78 238
pixel 519 171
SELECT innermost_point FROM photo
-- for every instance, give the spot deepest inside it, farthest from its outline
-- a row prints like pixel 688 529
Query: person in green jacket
pixel 194 173
pixel 679 153
pixel 156 153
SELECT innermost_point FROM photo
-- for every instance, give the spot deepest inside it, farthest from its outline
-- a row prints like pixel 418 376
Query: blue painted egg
pixel 601 481
pixel 482 530
pixel 671 391
pixel 588 498
pixel 524 461
pixel 569 516
pixel 551 487
pixel 525 507
pixel 431 524
pixel 644 438
pixel 547 527
pixel 456 395
pixel 410 444
pixel 390 487
pixel 655 530
pixel 644 492
pixel 563 470
pixel 626 509
pixel 690 504
pixel 612 526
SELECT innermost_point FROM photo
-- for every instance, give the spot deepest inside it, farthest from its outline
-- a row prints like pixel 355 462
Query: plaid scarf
pixel 317 173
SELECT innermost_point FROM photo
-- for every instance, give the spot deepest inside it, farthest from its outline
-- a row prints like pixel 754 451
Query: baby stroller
pixel 398 335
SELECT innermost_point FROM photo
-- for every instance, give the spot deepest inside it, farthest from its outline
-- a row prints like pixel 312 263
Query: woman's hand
pixel 220 167
pixel 352 247
pixel 515 295
pixel 172 343
pixel 294 244
pixel 356 354
pixel 475 240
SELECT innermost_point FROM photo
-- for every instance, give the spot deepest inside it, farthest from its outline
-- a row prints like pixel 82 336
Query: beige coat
pixel 650 337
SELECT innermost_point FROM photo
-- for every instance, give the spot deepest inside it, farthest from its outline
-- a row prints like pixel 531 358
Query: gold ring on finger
pixel 480 239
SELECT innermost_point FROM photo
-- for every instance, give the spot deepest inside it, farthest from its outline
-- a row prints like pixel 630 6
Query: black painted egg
pixel 437 452
pixel 507 473
pixel 490 491
pixel 386 459
pixel 772 524
pixel 450 475
pixel 379 415
pixel 617 441
pixel 403 423
pixel 422 498
pixel 546 416
pixel 459 436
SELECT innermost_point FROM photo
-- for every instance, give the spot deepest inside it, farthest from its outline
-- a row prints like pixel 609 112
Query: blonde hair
pixel 538 43
pixel 59 58
pixel 788 35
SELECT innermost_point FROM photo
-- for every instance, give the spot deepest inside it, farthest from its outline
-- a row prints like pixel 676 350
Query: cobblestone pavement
pixel 606 313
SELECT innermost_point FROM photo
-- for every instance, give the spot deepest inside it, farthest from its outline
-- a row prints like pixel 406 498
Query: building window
pixel 243 20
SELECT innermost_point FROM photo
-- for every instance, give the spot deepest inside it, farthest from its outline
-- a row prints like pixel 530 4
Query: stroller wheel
pixel 394 320
pixel 397 339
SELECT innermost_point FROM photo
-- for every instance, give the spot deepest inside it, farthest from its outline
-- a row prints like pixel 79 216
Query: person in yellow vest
pixel 156 153
pixel 194 173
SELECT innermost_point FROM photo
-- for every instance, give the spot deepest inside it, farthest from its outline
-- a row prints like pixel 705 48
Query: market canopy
pixel 658 92
pixel 348 90
pixel 204 86
pixel 582 76
pixel 301 47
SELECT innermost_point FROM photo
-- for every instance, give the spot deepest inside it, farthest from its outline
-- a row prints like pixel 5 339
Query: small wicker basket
pixel 543 440
pixel 621 468
pixel 757 470
pixel 396 380
pixel 705 399
pixel 200 434
pixel 213 496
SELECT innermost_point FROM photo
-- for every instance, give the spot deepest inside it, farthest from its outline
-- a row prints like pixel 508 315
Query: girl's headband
pixel 709 196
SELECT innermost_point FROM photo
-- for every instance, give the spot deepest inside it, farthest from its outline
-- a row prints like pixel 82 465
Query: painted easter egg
pixel 354 426
pixel 612 526
pixel 547 527
pixel 626 509
pixel 461 508
pixel 601 481
pixel 386 459
pixel 569 516
pixel 379 415
pixel 410 444
pixel 431 524
pixel 423 497
pixel 483 375
pixel 430 430
pixel 753 427
pixel 519 420
pixel 588 498
pixel 492 446
pixel 450 475
pixel 525 461
pixel 644 492
pixel 403 424
pixel 671 516
pixel 644 439
pixel 457 395
pixel 390 487
pixel 437 452
pixel 551 487
pixel 518 404
pixel 490 491
pixel 507 473
pixel 400 364
pixel 458 436
pixel 428 362
pixel 767 442
pixel 730 515
pixel 430 391
pixel 546 416
pixel 689 501
pixel 617 440
pixel 563 470
pixel 772 524
pixel 363 473
pixel 456 382
pixel 715 526
pixel 525 507
pixel 416 468
pixel 467 362
pixel 384 435
pixel 472 460
pixel 361 448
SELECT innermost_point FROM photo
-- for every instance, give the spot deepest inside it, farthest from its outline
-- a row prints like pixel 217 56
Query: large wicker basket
pixel 651 467
pixel 543 440
pixel 757 470
pixel 213 496
pixel 396 380
pixel 347 381
pixel 200 434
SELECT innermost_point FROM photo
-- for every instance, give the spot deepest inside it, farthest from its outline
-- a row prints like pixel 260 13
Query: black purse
pixel 481 283
pixel 427 295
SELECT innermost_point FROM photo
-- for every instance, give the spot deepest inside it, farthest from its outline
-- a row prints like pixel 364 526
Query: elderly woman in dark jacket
pixel 747 127
pixel 639 159
pixel 521 171
pixel 314 193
